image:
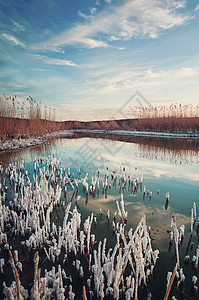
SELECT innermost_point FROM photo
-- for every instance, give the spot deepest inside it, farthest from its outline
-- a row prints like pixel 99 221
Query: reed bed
pixel 55 255
pixel 22 118
pixel 26 223
pixel 15 128
pixel 22 128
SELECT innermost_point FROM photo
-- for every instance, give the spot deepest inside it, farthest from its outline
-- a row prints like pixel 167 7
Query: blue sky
pixel 87 58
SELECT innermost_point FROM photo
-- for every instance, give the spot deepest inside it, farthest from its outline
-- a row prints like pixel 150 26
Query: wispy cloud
pixel 91 43
pixel 93 10
pixel 197 7
pixel 113 83
pixel 55 61
pixel 18 26
pixel 185 72
pixel 81 14
pixel 12 40
pixel 126 21
pixel 114 38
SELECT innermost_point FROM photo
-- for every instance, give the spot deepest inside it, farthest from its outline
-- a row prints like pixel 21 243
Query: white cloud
pixel 108 1
pixel 39 70
pixel 12 40
pixel 176 4
pixel 81 14
pixel 126 21
pixel 93 10
pixel 90 43
pixel 19 26
pixel 113 82
pixel 185 72
pixel 149 74
pixel 56 61
pixel 114 38
pixel 197 7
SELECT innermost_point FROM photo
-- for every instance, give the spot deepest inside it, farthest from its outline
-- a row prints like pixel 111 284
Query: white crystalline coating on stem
pixel 82 238
pixel 176 238
pixel 109 291
pixel 113 225
pixel 11 292
pixel 171 236
pixel 197 258
pixel 2 263
pixel 169 274
pixel 71 294
pixel 16 256
pixel 129 294
pixel 181 233
pixel 194 212
pixel 192 220
pixel 119 211
pixel 89 223
pixel 103 251
pixel 8 292
pixel 19 266
pixel 99 253
pixel 194 279
pixel 193 259
pixel 124 213
pixel 60 277
pixel 98 276
pixel 81 272
pixel 39 200
pixel 77 264
pixel 66 216
pixel 182 276
pixel 89 283
pixel 128 281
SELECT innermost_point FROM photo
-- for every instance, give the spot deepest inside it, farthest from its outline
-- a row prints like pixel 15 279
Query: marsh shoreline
pixel 127 135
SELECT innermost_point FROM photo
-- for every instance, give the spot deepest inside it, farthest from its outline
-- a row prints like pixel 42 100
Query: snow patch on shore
pixel 16 144
pixel 141 133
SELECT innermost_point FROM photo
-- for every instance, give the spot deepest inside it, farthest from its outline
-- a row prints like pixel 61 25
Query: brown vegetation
pixel 168 124
pixel 25 109
pixel 16 127
pixel 19 128
pixel 23 118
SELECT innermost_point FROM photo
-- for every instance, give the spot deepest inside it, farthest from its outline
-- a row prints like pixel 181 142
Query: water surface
pixel 163 167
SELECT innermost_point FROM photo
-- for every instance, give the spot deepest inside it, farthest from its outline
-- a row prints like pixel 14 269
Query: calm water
pixel 170 170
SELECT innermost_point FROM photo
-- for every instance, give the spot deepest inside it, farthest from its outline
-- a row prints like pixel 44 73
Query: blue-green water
pixel 168 171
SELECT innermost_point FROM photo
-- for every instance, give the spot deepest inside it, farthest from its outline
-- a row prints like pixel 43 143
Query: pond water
pixel 165 167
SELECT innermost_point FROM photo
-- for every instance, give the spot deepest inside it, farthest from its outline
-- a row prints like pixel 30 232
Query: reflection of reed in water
pixel 178 151
pixel 180 156
pixel 8 157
